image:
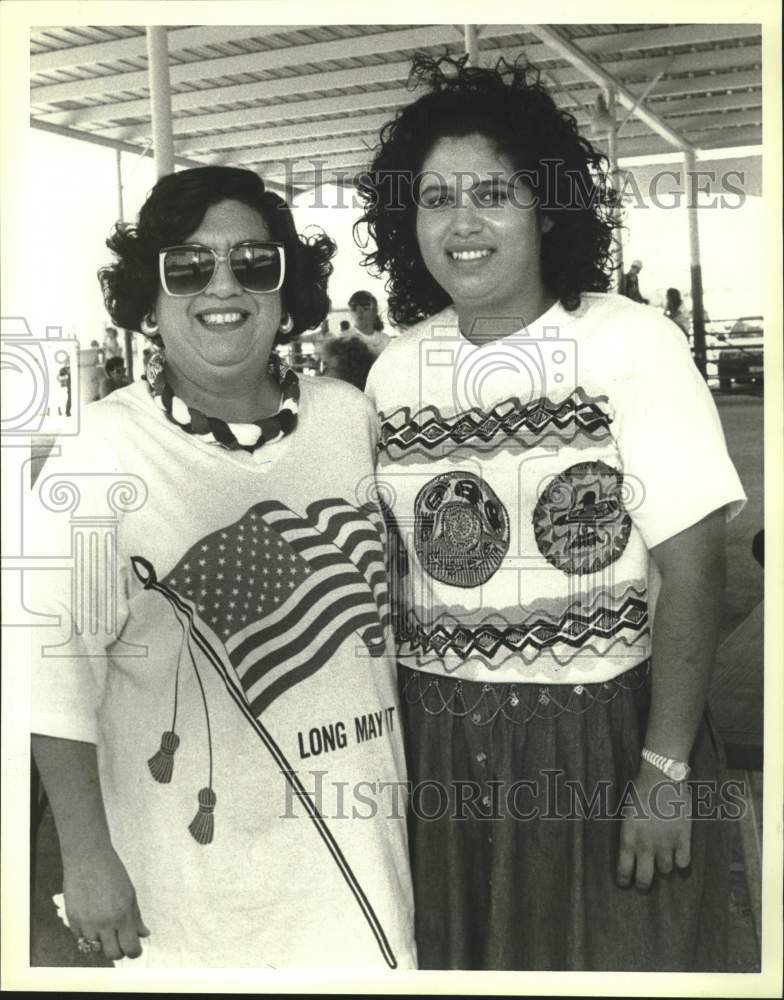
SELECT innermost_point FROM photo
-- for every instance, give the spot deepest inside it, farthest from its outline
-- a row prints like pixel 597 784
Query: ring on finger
pixel 87 945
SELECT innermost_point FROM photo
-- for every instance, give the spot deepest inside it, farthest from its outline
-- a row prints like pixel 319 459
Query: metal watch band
pixel 660 761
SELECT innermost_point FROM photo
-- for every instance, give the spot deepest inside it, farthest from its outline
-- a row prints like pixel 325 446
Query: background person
pixel 111 344
pixel 674 310
pixel 545 498
pixel 115 377
pixel 347 359
pixel 64 381
pixel 171 745
pixel 366 323
pixel 630 283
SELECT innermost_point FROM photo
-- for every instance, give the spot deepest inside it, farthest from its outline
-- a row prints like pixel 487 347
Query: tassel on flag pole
pixel 203 824
pixel 161 764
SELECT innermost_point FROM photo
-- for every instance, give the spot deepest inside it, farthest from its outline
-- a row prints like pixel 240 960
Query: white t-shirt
pixel 528 479
pixel 232 599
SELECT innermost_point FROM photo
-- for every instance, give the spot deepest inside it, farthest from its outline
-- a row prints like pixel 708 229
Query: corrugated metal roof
pixel 272 94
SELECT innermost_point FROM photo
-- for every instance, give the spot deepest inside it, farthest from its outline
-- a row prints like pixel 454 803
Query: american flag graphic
pixel 283 591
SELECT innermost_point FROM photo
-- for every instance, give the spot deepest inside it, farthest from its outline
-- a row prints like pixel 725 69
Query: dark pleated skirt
pixel 522 876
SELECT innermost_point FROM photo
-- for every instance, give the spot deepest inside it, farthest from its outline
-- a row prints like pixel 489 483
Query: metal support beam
pixel 126 147
pixel 160 99
pixel 471 43
pixel 593 71
pixel 643 97
pixel 261 139
pixel 96 139
pixel 697 309
pixel 304 152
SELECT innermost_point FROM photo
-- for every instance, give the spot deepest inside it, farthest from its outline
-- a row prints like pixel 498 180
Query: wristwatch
pixel 676 770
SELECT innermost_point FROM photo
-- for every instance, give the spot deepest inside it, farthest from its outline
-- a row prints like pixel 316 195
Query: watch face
pixel 678 770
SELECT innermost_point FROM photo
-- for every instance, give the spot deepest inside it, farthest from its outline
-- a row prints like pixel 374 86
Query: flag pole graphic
pixel 146 573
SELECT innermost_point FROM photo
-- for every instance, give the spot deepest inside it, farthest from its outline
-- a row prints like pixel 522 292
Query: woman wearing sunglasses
pixel 224 682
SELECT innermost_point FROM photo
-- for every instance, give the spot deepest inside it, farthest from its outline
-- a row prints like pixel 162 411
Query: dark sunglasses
pixel 188 269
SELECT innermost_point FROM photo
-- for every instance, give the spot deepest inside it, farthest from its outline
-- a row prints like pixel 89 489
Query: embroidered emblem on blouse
pixel 580 522
pixel 461 529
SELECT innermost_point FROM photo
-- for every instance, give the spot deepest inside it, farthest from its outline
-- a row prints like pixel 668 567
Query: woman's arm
pixel 100 900
pixel 685 634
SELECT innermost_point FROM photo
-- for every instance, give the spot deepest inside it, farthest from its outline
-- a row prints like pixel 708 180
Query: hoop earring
pixel 287 325
pixel 148 326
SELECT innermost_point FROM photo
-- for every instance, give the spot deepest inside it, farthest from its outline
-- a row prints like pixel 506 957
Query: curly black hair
pixel 509 106
pixel 175 208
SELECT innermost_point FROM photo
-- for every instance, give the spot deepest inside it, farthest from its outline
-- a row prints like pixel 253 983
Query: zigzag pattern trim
pixel 428 429
pixel 572 630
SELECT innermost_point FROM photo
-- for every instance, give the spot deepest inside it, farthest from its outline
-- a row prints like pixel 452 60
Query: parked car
pixel 737 352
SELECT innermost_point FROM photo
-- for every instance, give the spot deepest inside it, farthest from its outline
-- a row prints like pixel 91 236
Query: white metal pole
pixel 160 99
pixel 120 207
pixel 617 183
pixel 697 309
pixel 472 43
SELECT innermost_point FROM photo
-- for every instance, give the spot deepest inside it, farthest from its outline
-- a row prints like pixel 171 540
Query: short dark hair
pixel 510 107
pixel 175 208
pixel 362 298
pixel 113 364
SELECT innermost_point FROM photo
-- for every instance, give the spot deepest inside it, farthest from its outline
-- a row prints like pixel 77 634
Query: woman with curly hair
pixel 236 626
pixel 538 452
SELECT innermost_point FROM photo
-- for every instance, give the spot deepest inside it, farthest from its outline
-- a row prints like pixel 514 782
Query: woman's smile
pixel 469 256
pixel 480 241
pixel 222 320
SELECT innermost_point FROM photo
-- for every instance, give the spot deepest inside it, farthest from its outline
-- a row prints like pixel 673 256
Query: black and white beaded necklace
pixel 249 437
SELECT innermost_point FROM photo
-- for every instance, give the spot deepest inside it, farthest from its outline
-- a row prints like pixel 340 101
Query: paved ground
pixel 741 415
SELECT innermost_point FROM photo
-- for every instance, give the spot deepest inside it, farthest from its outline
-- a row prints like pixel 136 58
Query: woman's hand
pixel 100 903
pixel 656 832
pixel 685 633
